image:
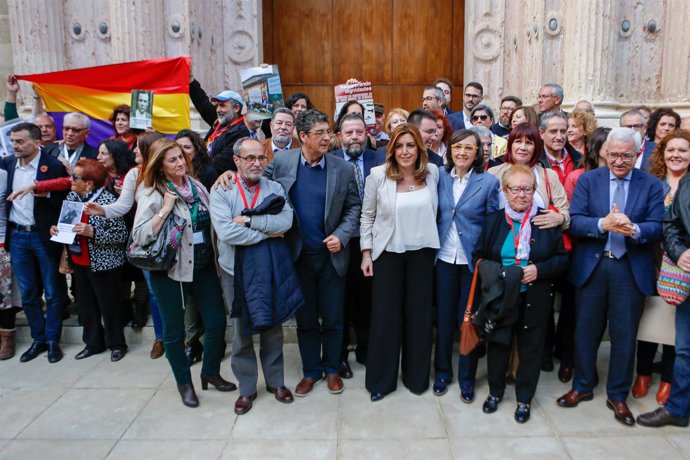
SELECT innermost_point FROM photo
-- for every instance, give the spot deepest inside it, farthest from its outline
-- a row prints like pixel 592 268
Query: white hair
pixel 625 135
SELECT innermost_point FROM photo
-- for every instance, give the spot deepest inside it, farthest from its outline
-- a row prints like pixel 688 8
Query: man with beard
pixel 224 113
pixel 473 95
pixel 506 109
pixel 282 124
pixel 352 134
pixel 433 99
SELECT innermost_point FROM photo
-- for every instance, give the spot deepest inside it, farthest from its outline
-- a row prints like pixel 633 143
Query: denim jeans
pixel 153 305
pixel 678 403
pixel 30 258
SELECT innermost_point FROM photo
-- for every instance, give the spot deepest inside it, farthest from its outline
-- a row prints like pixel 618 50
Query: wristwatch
pixel 247 221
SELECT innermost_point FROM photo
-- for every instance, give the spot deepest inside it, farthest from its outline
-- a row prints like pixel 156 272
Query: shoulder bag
pixel 160 254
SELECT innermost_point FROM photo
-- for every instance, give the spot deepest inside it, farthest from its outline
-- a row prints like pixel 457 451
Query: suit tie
pixel 358 178
pixel 252 134
pixel 617 241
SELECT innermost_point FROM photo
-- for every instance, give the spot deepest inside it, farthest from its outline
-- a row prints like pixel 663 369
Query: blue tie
pixel 616 241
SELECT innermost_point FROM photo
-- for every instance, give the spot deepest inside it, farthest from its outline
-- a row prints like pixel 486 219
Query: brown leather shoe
pixel 305 386
pixel 660 417
pixel 157 350
pixel 244 404
pixel 335 384
pixel 663 393
pixel 7 343
pixel 565 373
pixel 621 412
pixel 573 398
pixel 282 394
pixel 641 386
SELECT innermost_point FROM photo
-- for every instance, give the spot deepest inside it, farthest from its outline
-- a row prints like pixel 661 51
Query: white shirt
pixel 22 212
pixel 452 251
pixel 415 222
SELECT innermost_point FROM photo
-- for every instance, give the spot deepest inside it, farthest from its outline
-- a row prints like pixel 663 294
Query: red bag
pixel 469 337
pixel 567 241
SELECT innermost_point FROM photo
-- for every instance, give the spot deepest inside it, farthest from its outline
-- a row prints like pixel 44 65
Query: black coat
pixel 546 252
pixel 677 222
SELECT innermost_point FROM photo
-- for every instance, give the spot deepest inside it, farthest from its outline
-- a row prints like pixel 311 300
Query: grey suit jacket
pixel 342 201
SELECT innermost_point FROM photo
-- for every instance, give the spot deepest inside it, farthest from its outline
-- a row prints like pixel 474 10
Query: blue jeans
pixel 678 403
pixel 30 258
pixel 153 305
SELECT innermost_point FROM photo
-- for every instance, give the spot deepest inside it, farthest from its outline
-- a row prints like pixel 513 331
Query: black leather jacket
pixel 677 222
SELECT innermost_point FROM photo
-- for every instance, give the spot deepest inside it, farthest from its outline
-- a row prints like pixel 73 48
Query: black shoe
pixel 547 364
pixel 345 370
pixel 522 413
pixel 188 395
pixel 440 387
pixel 467 395
pixel 55 353
pixel 117 355
pixel 217 381
pixel 661 417
pixel 491 404
pixel 34 350
pixel 194 352
pixel 85 353
pixel 377 397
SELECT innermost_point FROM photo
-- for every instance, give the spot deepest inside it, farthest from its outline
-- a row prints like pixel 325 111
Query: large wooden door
pixel 399 45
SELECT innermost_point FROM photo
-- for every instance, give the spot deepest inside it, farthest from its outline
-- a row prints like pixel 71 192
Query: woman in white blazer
pixel 399 239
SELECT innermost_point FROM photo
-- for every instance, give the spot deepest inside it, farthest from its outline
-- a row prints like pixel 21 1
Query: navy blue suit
pixel 453 281
pixel 610 288
pixel 649 147
pixel 457 121
pixel 357 287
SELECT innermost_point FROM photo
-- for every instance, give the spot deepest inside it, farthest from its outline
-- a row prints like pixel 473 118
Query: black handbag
pixel 160 254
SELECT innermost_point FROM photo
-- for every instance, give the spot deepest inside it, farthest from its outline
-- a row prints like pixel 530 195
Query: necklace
pixel 411 188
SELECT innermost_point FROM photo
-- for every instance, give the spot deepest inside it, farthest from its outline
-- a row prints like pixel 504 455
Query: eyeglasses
pixel 544 96
pixel 74 130
pixel 506 109
pixel 75 177
pixel 321 133
pixel 519 190
pixel 429 98
pixel 636 126
pixel 473 96
pixel 480 117
pixel 252 159
pixel 459 148
pixel 626 157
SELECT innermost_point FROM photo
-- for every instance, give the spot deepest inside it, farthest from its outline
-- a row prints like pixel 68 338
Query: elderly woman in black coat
pixel 524 259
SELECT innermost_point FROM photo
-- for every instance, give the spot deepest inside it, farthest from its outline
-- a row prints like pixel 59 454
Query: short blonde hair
pixel 515 170
pixel 395 111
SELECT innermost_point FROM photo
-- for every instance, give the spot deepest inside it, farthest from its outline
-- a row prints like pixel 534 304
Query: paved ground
pixel 95 409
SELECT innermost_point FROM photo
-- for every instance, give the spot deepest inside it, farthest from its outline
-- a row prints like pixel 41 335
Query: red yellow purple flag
pixel 96 91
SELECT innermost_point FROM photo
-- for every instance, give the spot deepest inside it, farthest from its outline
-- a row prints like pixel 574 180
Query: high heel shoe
pixel 217 381
pixel 188 395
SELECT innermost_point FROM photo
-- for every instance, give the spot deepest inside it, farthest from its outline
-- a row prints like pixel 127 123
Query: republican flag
pixel 96 91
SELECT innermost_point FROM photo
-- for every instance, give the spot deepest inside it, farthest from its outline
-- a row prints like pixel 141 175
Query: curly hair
pixel 391 114
pixel 657 164
pixel 656 116
pixel 447 129
pixel 584 119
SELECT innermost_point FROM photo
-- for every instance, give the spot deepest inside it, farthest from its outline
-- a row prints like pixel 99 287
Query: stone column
pixel 241 34
pixel 5 46
pixel 138 30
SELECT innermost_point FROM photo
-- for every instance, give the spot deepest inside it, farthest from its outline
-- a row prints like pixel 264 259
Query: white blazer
pixel 377 222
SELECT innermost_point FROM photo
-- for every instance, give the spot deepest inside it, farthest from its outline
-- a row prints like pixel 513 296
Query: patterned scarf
pixel 525 233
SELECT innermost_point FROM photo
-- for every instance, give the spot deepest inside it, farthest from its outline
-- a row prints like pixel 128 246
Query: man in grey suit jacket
pixel 322 190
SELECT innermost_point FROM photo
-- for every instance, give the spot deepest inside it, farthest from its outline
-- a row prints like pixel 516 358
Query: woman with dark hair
pixel 120 121
pixel 399 239
pixel 97 256
pixel 524 114
pixel 131 191
pixel 662 122
pixel 298 102
pixel 594 157
pixel 525 259
pixel 170 189
pixel 525 147
pixel 443 133
pixel 669 162
pixel 114 156
pixel 465 196
pixel 193 146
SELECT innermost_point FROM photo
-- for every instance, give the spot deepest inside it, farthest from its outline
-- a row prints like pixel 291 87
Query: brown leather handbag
pixel 469 337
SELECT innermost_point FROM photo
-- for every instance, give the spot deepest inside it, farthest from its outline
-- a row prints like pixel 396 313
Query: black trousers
pixel 401 314
pixel 357 305
pixel 646 351
pixel 530 346
pixel 98 296
pixel 564 338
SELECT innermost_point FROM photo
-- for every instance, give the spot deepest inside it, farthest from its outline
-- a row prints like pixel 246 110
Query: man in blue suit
pixel 353 140
pixel 472 96
pixel 29 219
pixel 634 119
pixel 616 215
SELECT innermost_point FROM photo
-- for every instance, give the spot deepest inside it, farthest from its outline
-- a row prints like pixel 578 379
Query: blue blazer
pixel 649 147
pixel 479 198
pixel 371 158
pixel 644 206
pixel 46 209
pixel 457 121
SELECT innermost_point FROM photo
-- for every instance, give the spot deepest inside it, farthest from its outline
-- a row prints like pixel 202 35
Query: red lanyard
pixel 217 133
pixel 516 238
pixel 244 197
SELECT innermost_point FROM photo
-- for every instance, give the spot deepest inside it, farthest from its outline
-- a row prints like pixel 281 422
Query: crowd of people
pixel 377 239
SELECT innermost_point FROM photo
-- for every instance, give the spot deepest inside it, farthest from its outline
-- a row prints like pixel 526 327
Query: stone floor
pixel 95 409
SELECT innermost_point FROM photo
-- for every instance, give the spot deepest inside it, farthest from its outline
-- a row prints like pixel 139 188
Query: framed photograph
pixel 141 114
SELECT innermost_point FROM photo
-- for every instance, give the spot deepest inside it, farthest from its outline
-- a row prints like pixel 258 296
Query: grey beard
pixel 281 139
pixel 353 152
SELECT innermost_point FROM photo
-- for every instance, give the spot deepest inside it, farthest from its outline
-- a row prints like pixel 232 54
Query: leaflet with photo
pixel 360 91
pixel 263 92
pixel 141 109
pixel 70 215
